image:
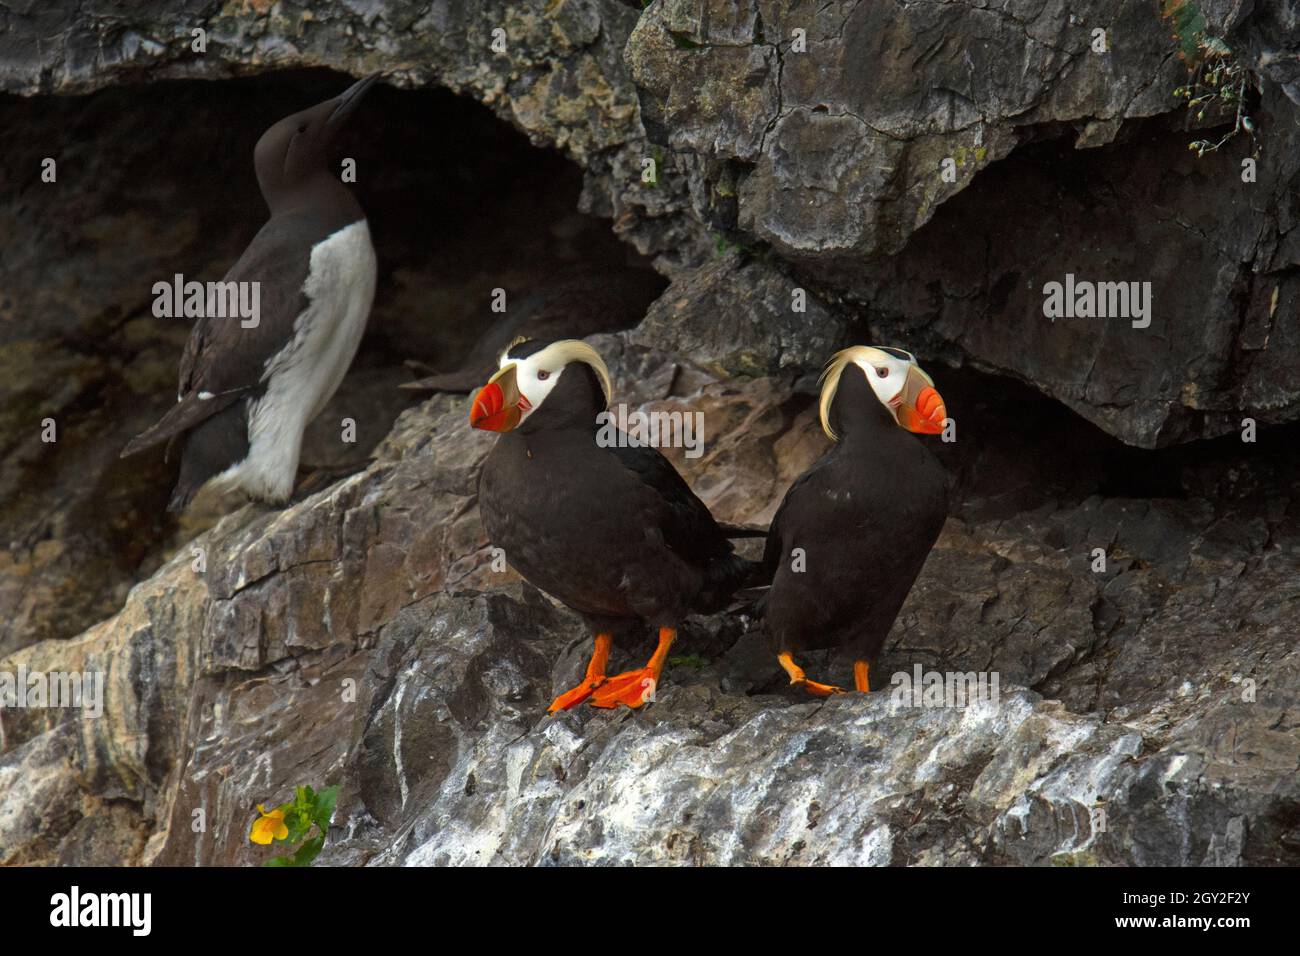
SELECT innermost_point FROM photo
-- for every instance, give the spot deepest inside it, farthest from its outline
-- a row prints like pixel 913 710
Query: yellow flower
pixel 269 826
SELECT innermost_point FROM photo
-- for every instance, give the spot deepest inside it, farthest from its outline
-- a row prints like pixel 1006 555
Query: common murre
pixel 247 392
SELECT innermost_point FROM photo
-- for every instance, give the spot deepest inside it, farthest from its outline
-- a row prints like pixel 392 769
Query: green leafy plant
pixel 689 660
pixel 722 246
pixel 1189 26
pixel 1217 82
pixel 291 824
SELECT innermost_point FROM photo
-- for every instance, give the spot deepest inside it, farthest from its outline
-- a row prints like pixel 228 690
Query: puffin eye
pixel 882 372
pixel 302 128
pixel 543 375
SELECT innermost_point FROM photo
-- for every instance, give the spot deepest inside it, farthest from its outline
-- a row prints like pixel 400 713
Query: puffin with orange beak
pixel 608 528
pixel 854 530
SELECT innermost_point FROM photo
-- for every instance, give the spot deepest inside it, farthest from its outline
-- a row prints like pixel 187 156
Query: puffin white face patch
pixel 887 376
pixel 537 375
pixel 887 371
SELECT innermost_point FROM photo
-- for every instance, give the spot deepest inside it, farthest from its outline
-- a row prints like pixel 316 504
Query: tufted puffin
pixel 865 516
pixel 613 532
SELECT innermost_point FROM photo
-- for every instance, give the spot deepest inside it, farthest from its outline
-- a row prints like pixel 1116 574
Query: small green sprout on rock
pixel 723 246
pixel 290 823
pixel 689 660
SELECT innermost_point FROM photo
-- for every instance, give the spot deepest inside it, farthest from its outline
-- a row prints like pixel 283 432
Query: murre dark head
pixel 568 375
pixel 293 157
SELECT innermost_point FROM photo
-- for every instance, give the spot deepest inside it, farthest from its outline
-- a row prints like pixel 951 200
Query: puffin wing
pixel 775 534
pixel 688 526
pixel 223 360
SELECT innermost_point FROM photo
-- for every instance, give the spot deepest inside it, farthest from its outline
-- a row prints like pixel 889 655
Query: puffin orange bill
pixel 498 406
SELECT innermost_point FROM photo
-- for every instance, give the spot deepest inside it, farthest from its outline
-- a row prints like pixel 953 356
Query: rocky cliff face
pixel 1147 706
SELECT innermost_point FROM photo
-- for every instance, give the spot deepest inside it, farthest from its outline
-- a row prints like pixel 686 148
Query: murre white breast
pixel 302 377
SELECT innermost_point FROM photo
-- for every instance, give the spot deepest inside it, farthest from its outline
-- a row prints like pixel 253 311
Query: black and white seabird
pixel 247 394
pixel 864 517
pixel 613 532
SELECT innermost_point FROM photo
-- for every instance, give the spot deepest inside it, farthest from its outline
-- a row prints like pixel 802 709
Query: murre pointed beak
pixel 498 406
pixel 919 407
pixel 347 101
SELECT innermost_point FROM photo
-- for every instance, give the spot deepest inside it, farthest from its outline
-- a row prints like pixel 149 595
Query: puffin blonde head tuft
pixel 524 380
pixel 559 354
pixel 897 381
pixel 830 379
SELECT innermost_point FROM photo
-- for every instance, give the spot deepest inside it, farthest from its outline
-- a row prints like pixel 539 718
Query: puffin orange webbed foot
pixel 594 679
pixel 799 679
pixel 862 677
pixel 816 689
pixel 634 688
pixel 572 698
pixel 631 689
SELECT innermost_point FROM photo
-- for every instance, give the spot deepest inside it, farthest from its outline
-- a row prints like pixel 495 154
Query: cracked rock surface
pixel 361 637
pixel 1148 704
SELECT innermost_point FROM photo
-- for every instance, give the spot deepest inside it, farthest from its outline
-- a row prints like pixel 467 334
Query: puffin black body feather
pixel 853 532
pixel 613 532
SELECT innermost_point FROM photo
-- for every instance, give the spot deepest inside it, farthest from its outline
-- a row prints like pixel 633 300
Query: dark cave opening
pixel 158 179
pixel 1109 207
pixel 1017 450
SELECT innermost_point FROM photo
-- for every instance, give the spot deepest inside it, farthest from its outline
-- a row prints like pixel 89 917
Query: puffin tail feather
pixel 739 531
pixel 724 578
